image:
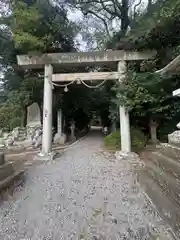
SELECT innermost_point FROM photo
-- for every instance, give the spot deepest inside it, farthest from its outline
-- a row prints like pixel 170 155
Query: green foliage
pixel 9 116
pixel 15 122
pixel 138 139
pixel 113 141
pixel 41 27
pixel 36 26
pixel 24 25
pixel 148 95
pixel 139 89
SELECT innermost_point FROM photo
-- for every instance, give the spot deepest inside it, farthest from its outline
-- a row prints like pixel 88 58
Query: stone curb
pixel 54 148
pixel 7 181
pixel 77 141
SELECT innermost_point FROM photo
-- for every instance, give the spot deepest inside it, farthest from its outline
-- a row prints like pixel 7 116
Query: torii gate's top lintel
pixel 83 58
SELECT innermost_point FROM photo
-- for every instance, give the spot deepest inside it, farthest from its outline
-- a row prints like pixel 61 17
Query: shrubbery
pixel 138 140
pixel 10 116
pixel 113 141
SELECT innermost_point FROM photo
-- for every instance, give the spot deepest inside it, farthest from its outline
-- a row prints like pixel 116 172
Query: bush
pixel 15 122
pixel 138 140
pixel 9 116
pixel 113 141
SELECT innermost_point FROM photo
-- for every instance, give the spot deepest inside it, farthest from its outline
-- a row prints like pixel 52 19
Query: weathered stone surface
pixel 161 178
pixel 33 115
pixel 178 125
pixel 174 138
pixel 166 208
pixel 2 141
pixel 2 146
pixel 82 58
pixel 6 170
pixel 85 76
pixel 15 133
pixel 37 138
pixel 30 132
pixel 9 142
pixel 168 183
pixel 5 135
pixel 19 133
pixel 170 151
pixel 59 139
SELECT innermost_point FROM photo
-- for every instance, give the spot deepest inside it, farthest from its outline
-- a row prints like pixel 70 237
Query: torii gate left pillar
pixel 47 112
pixel 124 114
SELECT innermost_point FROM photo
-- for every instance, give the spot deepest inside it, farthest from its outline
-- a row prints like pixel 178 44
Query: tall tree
pixel 36 26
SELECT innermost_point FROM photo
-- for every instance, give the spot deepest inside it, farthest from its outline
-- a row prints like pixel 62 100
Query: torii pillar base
pixel 46 157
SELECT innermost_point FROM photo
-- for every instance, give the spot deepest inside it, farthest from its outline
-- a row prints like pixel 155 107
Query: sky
pixel 76 16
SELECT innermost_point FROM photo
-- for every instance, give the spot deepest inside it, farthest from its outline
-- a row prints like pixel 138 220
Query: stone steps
pixel 6 170
pixel 9 171
pixel 167 183
pixel 168 164
pixel 167 209
pixel 161 179
pixel 170 150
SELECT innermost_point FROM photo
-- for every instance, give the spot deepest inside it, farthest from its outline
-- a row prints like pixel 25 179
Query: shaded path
pixel 85 194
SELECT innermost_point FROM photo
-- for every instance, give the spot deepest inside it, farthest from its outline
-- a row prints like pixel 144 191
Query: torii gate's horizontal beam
pixel 85 58
pixel 85 76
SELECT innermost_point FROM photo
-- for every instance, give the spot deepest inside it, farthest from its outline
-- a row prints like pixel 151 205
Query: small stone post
pixel 59 122
pixel 72 127
pixel 153 131
pixel 47 111
pixel 124 115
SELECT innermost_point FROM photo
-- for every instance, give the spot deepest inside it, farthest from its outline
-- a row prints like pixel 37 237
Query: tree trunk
pixel 125 17
pixel 153 131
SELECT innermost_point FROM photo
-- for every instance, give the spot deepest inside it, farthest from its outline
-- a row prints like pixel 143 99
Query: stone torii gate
pixel 60 60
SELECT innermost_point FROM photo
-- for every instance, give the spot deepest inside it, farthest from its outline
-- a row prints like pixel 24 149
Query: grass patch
pixel 112 142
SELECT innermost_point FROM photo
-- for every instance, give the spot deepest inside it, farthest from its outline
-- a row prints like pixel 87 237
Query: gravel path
pixel 85 194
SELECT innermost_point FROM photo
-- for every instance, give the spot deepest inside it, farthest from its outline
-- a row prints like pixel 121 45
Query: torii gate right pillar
pixel 124 115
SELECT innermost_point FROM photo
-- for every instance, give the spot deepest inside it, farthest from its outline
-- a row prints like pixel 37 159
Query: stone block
pixel 59 139
pixel 2 141
pixel 33 115
pixel 168 210
pixel 174 138
pixel 166 180
pixel 5 135
pixel 170 151
pixel 46 157
pixel 6 170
